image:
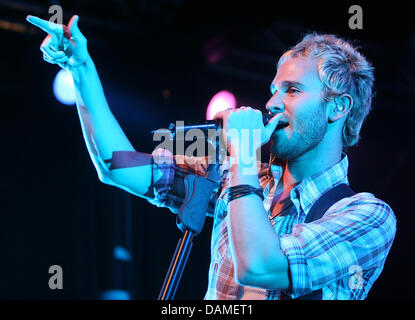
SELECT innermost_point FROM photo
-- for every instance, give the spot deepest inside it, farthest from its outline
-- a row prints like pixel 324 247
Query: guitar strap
pixel 318 209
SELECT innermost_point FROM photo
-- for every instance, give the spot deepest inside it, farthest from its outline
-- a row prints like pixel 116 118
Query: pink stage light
pixel 220 101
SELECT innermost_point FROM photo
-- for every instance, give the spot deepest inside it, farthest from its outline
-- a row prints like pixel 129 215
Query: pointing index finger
pixel 45 25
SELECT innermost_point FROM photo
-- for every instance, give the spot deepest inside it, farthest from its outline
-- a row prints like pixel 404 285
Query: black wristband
pixel 243 190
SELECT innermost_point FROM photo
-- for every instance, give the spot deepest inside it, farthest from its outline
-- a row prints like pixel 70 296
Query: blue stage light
pixel 115 294
pixel 122 254
pixel 63 87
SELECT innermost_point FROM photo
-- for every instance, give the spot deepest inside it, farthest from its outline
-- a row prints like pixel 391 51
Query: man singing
pixel 287 229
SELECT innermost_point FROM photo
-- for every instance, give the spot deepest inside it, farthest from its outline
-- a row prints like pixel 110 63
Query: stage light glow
pixel 121 254
pixel 115 294
pixel 220 101
pixel 63 87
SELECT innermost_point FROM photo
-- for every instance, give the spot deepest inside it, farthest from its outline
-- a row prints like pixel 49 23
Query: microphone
pixel 213 124
pixel 207 125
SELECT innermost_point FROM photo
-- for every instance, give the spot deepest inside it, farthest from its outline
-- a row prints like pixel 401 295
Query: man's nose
pixel 275 105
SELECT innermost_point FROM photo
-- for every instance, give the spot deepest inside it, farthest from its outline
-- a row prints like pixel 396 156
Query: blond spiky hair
pixel 342 69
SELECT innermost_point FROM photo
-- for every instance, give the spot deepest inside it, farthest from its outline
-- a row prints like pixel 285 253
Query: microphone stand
pixel 190 220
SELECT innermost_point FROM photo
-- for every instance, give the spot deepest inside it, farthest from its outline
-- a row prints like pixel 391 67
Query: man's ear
pixel 339 107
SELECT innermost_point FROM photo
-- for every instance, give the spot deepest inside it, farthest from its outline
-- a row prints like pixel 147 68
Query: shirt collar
pixel 306 193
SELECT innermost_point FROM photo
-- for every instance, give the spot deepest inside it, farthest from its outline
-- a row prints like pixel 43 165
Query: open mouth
pixel 282 125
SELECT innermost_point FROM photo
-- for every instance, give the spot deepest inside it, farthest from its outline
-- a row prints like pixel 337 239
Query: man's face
pixel 297 92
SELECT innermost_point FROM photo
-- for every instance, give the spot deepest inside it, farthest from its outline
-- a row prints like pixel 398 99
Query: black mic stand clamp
pixel 190 220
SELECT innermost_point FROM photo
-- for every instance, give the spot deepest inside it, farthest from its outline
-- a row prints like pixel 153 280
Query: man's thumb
pixel 272 125
pixel 73 26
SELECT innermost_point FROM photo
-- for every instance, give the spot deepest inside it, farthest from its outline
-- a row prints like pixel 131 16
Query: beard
pixel 306 133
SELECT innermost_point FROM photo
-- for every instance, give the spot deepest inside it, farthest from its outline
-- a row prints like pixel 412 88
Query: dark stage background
pixel 155 62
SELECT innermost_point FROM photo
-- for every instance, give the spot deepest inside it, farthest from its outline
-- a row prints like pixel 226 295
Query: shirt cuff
pixel 299 272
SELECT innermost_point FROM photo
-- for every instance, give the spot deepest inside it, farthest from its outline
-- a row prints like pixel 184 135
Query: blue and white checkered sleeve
pixel 358 233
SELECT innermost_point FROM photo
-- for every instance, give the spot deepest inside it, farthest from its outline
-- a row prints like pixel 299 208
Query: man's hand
pixel 64 45
pixel 244 130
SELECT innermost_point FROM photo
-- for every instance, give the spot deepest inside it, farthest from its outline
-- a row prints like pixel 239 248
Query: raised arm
pixel 67 47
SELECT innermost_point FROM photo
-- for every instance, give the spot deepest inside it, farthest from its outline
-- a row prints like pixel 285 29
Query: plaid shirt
pixel 342 253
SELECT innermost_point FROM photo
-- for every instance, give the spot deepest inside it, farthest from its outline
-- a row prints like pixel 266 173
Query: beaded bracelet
pixel 243 190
